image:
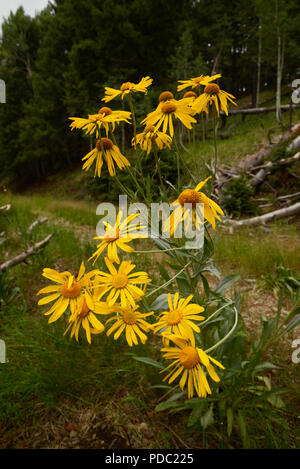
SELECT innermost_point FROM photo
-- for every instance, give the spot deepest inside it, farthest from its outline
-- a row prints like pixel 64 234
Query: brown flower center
pixel 73 291
pixel 189 196
pixel 129 317
pixel 126 86
pixel 105 110
pixel 165 95
pixel 189 357
pixel 174 317
pixel 190 94
pixel 119 281
pixel 212 88
pixel 111 235
pixel 106 142
pixel 168 107
pixel 84 310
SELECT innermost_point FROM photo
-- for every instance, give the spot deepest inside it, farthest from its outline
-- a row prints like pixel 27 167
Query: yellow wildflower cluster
pixel 113 298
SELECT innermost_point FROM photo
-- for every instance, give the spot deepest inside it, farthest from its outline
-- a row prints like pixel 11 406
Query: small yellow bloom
pixel 178 319
pixel 85 314
pixel 200 206
pixel 213 95
pixel 164 114
pixel 149 136
pixel 126 88
pixel 187 362
pixel 130 320
pixel 194 82
pixel 118 236
pixel 105 117
pixel 122 283
pixel 105 149
pixel 66 292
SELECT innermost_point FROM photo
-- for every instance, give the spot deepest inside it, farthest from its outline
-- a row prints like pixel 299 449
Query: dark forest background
pixel 56 64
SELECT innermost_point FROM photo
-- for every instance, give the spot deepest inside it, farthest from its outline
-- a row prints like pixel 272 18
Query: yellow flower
pixel 110 153
pixel 85 314
pixel 200 206
pixel 132 321
pixel 118 236
pixel 105 117
pixel 66 292
pixel 126 88
pixel 149 136
pixel 164 114
pixel 213 95
pixel 179 318
pixel 194 82
pixel 188 361
pixel 122 283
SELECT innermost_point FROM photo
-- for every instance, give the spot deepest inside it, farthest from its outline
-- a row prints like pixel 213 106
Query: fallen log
pixel 271 166
pixel 259 110
pixel 5 208
pixel 39 221
pixel 268 217
pixel 24 255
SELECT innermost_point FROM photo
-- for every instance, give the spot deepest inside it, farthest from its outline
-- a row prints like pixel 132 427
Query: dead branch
pixel 282 197
pixel 24 255
pixel 276 214
pixel 271 166
pixel 5 208
pixel 35 223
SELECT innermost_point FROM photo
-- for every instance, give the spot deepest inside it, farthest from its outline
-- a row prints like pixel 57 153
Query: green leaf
pixel 149 361
pixel 161 302
pixel 293 323
pixel 226 283
pixel 276 401
pixel 163 272
pixel 208 418
pixel 243 428
pixel 167 405
pixel 229 420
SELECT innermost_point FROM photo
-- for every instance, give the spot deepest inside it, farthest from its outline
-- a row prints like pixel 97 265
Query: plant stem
pixel 215 141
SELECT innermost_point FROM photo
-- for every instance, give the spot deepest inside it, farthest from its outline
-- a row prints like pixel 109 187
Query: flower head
pixel 166 111
pixel 213 95
pixel 179 319
pixel 122 283
pixel 105 117
pixel 193 205
pixel 130 320
pixel 118 236
pixel 85 313
pixel 67 291
pixel 188 362
pixel 151 136
pixel 194 82
pixel 126 88
pixel 105 149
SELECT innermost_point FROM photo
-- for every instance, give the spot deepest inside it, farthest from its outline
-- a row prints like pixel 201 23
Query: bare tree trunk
pixel 280 60
pixel 258 68
pixel 217 60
